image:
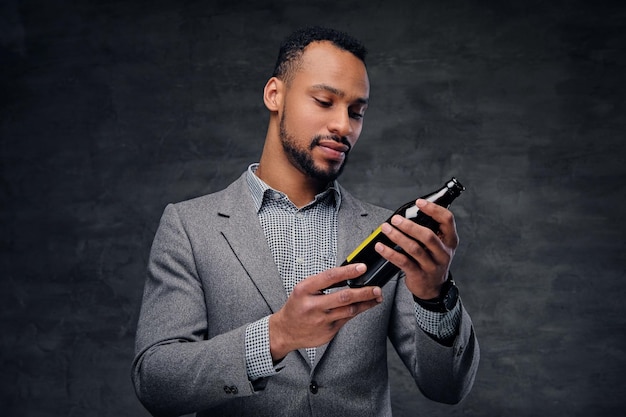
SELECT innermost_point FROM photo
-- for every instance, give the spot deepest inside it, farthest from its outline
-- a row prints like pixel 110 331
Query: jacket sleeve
pixel 177 369
pixel 443 373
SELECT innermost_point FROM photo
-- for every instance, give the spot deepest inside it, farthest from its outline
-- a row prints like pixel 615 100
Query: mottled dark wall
pixel 111 109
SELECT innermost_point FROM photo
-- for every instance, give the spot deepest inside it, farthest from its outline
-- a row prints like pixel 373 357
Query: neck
pixel 278 172
pixel 286 178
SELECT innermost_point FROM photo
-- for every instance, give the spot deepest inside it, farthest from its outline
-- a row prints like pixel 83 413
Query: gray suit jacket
pixel 211 273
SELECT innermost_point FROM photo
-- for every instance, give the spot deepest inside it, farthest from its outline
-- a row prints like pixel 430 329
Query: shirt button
pixel 299 261
pixel 313 387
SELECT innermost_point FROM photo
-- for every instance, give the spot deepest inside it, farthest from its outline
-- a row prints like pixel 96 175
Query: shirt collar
pixel 259 189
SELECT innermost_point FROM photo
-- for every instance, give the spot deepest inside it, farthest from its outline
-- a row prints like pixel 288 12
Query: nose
pixel 341 123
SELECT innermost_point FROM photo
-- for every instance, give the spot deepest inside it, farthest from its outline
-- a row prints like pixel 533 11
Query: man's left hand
pixel 426 256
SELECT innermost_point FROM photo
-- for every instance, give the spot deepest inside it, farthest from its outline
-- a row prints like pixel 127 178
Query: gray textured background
pixel 111 109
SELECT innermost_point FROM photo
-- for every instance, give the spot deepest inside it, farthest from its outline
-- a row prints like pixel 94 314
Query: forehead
pixel 324 63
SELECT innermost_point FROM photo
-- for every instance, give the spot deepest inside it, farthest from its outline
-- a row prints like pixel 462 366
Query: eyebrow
pixel 337 92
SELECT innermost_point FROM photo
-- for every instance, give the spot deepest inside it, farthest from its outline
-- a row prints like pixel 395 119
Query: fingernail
pixel 421 202
pixel 385 228
pixel 361 268
pixel 379 247
pixel 396 220
pixel 377 291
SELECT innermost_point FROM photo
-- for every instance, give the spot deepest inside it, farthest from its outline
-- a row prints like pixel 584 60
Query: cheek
pixel 356 133
pixel 305 123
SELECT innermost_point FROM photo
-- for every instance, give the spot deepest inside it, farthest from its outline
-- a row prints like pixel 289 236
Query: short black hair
pixel 293 46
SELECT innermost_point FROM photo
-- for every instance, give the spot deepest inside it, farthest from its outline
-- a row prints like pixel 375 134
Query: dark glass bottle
pixel 379 270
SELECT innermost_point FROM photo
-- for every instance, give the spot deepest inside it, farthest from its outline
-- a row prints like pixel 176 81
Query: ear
pixel 273 94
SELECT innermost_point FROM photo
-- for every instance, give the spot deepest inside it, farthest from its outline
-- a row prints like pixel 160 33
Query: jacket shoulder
pixel 232 193
pixel 350 202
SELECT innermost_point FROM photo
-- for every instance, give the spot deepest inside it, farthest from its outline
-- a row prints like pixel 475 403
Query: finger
pixel 351 296
pixel 435 242
pixel 421 250
pixel 445 218
pixel 416 241
pixel 332 277
pixel 437 212
pixel 342 314
pixel 413 262
pixel 419 246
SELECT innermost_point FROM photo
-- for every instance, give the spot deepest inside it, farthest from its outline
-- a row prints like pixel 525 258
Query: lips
pixel 335 146
pixel 333 151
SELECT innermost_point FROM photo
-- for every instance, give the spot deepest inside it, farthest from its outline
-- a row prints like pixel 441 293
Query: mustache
pixel 339 139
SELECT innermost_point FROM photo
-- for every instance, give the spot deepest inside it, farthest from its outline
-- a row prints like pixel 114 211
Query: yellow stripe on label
pixel 364 244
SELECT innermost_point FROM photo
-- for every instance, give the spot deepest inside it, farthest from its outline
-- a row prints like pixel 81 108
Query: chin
pixel 327 174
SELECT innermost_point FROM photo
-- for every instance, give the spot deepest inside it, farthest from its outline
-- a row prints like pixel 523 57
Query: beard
pixel 301 157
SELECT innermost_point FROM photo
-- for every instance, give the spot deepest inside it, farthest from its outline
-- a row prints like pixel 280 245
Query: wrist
pixel 278 347
pixel 445 301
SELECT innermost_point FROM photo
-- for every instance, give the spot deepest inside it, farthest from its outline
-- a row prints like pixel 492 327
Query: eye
pixel 323 103
pixel 356 116
pixel 357 112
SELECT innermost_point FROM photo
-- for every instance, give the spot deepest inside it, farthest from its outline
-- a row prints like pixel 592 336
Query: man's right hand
pixel 311 318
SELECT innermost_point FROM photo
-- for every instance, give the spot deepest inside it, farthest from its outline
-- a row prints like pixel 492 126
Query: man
pixel 236 318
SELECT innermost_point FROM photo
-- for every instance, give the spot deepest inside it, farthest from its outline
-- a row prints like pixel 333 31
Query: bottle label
pixel 364 244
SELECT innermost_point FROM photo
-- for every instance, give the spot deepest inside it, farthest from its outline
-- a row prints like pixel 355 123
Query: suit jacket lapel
pixel 354 225
pixel 243 232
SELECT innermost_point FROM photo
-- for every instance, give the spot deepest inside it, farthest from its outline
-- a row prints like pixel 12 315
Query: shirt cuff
pixel 259 362
pixel 441 326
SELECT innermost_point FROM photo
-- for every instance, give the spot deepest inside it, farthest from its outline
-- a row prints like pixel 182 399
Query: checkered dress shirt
pixel 303 242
